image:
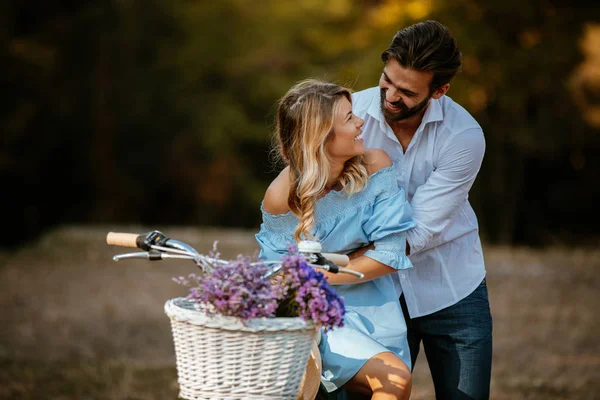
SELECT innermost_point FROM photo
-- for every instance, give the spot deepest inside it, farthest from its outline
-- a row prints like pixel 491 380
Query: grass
pixel 77 325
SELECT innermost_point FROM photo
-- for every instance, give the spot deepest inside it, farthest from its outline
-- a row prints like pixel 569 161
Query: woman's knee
pixel 384 373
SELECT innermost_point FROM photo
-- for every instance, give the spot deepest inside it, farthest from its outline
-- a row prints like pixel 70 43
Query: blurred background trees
pixel 160 112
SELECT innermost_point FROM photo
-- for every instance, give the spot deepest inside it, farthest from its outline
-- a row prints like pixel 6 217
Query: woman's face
pixel 346 140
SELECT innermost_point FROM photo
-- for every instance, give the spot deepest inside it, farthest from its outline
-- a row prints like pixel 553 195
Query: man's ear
pixel 439 92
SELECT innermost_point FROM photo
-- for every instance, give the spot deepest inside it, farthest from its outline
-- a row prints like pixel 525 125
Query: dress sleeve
pixel 390 218
pixel 272 246
pixel 276 235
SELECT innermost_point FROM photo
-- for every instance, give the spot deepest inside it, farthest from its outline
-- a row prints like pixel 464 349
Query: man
pixel 437 148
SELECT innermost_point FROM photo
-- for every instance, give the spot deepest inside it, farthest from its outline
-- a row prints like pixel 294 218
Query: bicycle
pixel 157 246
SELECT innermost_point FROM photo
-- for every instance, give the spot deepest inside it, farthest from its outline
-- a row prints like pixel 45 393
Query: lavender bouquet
pixel 239 289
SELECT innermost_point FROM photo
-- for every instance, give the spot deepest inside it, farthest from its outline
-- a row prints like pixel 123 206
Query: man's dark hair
pixel 426 46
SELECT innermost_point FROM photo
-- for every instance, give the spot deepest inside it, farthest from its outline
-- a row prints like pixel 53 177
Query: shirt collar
pixel 374 109
pixel 433 113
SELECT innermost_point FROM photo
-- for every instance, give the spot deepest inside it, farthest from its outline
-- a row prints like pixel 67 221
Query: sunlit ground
pixel 76 325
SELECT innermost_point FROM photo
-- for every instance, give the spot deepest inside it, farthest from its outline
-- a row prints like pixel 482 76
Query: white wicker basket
pixel 221 357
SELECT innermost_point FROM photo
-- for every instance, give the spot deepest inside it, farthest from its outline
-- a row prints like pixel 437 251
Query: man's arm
pixel 440 197
pixel 363 250
pixel 360 252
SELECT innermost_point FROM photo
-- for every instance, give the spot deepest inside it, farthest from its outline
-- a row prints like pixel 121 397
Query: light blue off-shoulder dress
pixel 374 322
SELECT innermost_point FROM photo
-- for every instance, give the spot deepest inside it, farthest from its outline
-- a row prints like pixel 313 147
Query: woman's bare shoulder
pixel 276 197
pixel 376 159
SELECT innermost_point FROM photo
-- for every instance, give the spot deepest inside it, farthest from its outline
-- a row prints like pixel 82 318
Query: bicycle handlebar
pixel 144 241
pixel 157 245
pixel 123 239
pixel 338 259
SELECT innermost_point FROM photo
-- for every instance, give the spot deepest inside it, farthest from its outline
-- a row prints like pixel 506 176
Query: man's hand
pixel 361 251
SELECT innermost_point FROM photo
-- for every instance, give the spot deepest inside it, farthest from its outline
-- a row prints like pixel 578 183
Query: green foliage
pixel 516 82
pixel 113 108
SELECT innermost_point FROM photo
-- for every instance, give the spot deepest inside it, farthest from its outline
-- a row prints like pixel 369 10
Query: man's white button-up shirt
pixel 436 172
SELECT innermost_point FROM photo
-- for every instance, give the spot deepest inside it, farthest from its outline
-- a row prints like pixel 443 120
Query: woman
pixel 345 196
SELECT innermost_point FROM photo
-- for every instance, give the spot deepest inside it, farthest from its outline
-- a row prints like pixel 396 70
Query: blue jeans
pixel 458 345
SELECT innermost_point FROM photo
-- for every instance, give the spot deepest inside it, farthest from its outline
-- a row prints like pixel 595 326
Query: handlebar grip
pixel 338 259
pixel 122 239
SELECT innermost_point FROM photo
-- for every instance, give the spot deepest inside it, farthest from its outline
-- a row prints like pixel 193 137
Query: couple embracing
pixel 383 175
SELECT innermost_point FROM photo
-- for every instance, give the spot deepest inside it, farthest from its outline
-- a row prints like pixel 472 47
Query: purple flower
pixel 239 289
pixel 308 294
pixel 235 289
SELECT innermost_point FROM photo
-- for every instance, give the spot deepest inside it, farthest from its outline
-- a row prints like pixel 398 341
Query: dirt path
pixel 67 306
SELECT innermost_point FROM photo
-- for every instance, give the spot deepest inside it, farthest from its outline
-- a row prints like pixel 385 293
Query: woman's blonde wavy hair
pixel 305 119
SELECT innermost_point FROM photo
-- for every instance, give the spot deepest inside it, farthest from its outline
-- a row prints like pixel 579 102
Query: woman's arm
pixel 371 269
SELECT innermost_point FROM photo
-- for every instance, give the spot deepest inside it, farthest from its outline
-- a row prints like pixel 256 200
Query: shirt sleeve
pixel 436 201
pixel 387 224
pixel 272 246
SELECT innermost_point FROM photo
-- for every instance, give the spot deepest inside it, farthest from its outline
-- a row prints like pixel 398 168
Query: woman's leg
pixel 384 377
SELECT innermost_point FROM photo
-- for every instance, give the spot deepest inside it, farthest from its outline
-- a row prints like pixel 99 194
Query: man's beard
pixel 404 112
